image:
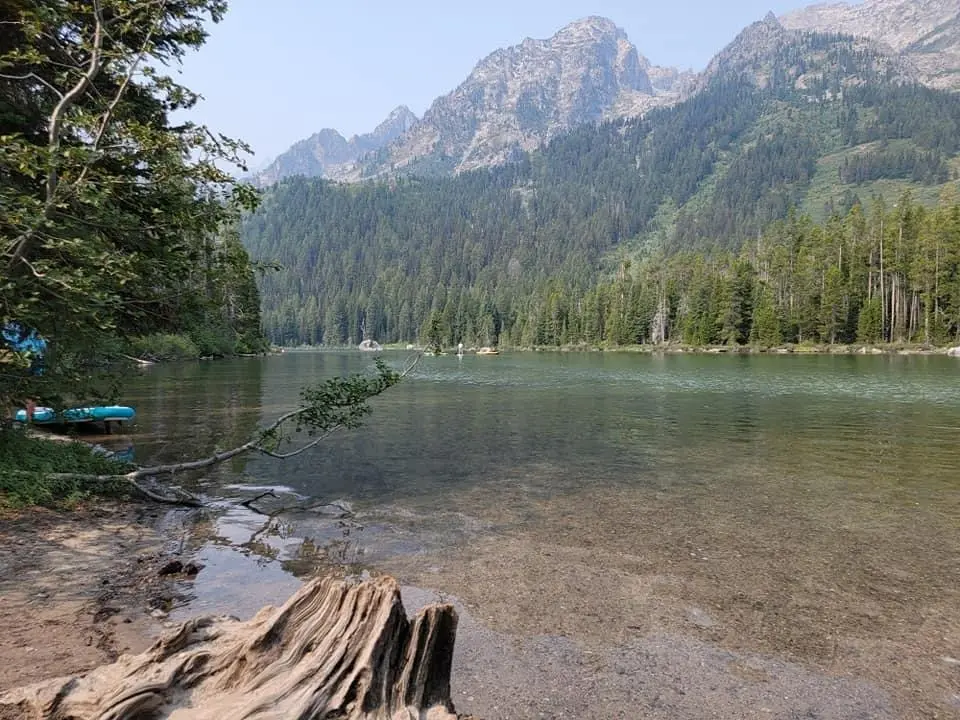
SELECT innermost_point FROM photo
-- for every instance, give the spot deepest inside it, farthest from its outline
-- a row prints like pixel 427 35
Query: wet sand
pixel 615 612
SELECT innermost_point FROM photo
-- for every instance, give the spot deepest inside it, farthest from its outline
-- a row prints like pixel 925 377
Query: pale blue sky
pixel 276 71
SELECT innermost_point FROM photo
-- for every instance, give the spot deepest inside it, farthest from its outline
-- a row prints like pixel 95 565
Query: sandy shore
pixel 77 590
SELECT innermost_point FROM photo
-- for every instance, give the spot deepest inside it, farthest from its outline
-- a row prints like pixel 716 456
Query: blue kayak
pixel 100 413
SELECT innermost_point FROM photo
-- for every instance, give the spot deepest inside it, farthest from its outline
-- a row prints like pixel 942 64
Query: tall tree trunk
pixel 883 293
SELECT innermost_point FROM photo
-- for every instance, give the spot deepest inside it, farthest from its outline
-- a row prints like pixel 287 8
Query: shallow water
pixel 803 507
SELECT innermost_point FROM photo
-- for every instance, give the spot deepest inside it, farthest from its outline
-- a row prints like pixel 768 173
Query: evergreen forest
pixel 819 211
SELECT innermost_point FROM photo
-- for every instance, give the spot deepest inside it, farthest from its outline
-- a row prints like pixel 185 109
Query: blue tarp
pixel 26 342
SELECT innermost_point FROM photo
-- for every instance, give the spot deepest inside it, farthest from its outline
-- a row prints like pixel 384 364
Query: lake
pixel 794 519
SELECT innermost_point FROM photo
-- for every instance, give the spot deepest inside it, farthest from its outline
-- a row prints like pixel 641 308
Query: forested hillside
pixel 816 124
pixel 874 275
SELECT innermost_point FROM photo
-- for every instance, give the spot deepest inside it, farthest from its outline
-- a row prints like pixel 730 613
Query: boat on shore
pixel 488 351
pixel 97 413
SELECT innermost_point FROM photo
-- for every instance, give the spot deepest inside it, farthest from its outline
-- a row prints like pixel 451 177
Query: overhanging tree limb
pixel 334 404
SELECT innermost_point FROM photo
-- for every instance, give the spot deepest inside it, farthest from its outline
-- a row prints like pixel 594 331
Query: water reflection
pixel 810 505
pixel 189 410
pixel 615 420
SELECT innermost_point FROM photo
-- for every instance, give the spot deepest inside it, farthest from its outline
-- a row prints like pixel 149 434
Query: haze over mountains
pixel 520 97
pixel 328 154
pixel 515 99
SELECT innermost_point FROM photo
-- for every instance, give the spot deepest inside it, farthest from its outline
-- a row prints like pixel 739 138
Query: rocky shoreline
pixel 80 589
pixel 676 349
pixel 680 349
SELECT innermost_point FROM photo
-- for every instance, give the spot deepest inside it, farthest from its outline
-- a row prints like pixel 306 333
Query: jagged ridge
pixel 329 155
pixel 924 32
pixel 522 96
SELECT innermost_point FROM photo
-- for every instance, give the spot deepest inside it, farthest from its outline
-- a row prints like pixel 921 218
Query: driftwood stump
pixel 334 650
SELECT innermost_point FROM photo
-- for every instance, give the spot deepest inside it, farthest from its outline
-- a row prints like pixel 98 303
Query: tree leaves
pixel 107 205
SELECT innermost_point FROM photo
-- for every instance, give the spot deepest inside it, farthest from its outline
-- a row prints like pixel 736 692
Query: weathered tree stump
pixel 333 650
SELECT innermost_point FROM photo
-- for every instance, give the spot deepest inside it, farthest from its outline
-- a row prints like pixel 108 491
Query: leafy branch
pixel 334 404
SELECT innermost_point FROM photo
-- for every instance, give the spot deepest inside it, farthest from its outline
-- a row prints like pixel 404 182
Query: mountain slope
pixel 925 32
pixel 784 119
pixel 519 97
pixel 328 154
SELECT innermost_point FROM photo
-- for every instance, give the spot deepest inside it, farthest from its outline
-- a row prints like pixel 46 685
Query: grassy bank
pixel 201 343
pixel 27 464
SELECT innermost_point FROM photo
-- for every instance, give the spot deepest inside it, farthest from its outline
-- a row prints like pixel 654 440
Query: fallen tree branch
pixel 298 451
pixel 139 361
pixel 349 406
pixel 249 502
pixel 183 497
pixel 268 493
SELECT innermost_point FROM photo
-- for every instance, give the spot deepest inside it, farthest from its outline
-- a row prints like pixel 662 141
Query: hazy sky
pixel 276 71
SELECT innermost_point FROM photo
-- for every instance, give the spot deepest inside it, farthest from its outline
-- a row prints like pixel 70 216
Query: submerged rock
pixel 335 509
pixel 174 567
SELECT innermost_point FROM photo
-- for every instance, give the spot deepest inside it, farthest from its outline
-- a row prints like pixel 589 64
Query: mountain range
pixel 329 154
pixel 515 100
pixel 926 33
pixel 783 126
pixel 518 98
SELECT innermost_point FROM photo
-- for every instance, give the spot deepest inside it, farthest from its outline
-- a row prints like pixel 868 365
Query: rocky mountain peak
pixel 400 117
pixel 520 97
pixel 749 51
pixel 328 154
pixel 761 33
pixel 767 54
pixel 397 123
pixel 587 29
pixel 926 33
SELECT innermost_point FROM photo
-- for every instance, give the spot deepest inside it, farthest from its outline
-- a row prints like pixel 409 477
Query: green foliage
pixel 116 221
pixel 766 329
pixel 164 347
pixel 213 340
pixel 928 167
pixel 342 402
pixel 27 463
pixel 798 282
pixel 434 334
pixel 336 403
pixel 869 323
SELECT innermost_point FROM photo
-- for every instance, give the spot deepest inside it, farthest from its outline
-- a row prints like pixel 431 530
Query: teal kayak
pixel 100 413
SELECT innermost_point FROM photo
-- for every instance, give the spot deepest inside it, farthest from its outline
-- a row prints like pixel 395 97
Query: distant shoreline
pixel 677 349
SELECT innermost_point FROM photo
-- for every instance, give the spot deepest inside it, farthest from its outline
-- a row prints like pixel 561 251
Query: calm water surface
pixel 805 507
pixel 615 419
